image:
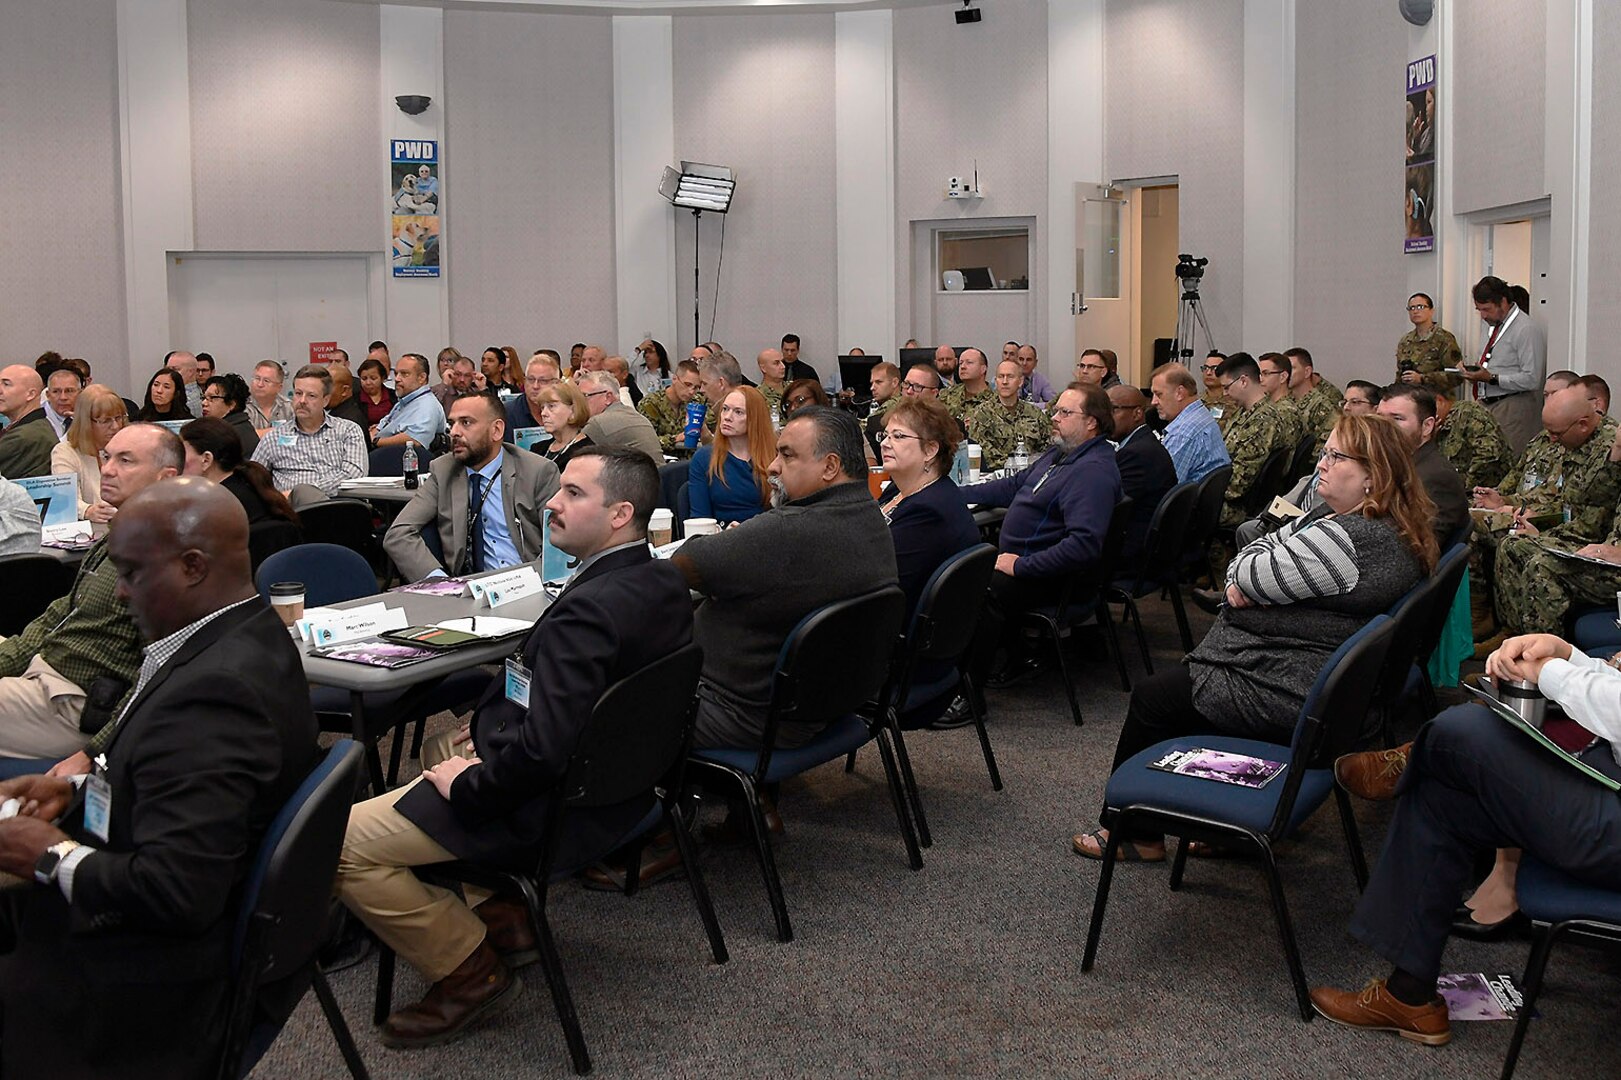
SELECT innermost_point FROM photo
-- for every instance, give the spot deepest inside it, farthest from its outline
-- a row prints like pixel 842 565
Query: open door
pixel 1101 302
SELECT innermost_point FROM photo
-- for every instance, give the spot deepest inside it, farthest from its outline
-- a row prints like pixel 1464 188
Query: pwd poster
pixel 415 195
pixel 1418 219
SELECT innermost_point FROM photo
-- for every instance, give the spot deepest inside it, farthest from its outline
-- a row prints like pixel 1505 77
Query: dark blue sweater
pixel 1058 509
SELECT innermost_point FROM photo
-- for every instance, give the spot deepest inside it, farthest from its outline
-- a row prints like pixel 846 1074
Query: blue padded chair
pixel 1157 565
pixel 856 639
pixel 1557 904
pixel 1419 617
pixel 1256 818
pixel 282 921
pixel 635 745
pixel 1596 633
pixel 331 574
pixel 390 460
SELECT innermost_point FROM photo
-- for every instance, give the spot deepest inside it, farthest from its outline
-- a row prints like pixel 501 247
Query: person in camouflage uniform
pixel 1536 589
pixel 1426 351
pixel 1256 430
pixel 960 398
pixel 1316 397
pixel 772 384
pixel 998 425
pixel 667 408
pixel 1214 398
pixel 1275 382
pixel 1471 438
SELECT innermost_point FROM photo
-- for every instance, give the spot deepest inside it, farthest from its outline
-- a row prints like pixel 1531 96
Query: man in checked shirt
pixel 309 457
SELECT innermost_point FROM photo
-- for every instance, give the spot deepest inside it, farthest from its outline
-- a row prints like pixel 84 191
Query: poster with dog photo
pixel 1418 228
pixel 415 195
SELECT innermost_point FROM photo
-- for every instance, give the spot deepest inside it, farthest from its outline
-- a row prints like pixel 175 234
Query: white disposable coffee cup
pixel 699 527
pixel 659 527
pixel 973 457
pixel 287 600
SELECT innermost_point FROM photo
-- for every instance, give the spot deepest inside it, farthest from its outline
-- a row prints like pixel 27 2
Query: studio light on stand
pixel 698 187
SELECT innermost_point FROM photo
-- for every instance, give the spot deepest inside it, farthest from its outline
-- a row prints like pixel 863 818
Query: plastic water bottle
pixel 408 463
pixel 776 418
pixel 1020 458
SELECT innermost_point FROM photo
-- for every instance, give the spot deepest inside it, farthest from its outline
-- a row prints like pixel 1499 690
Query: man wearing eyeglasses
pixel 666 409
pixel 1256 429
pixel 544 371
pixel 613 423
pixel 1214 398
pixel 1275 373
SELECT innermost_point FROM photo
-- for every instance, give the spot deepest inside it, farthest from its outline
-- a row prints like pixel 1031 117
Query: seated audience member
pixel 1037 388
pixel 87 635
pixel 666 408
pixel 1411 407
pixel 206 368
pixel 266 407
pixel 1472 785
pixel 184 364
pixel 1274 369
pixel 1293 597
pixel 928 521
pixel 482 796
pixel 619 368
pixel 374 394
pixel 508 489
pixel 1192 436
pixel 98 415
pixel 823 540
pixel 63 384
pixel 727 480
pixel 210 454
pixel 1598 393
pixel 492 364
pixel 563 413
pixel 1096 367
pixel 1058 510
pixel 1470 437
pixel 594 358
pixel 544 369
pixel 773 382
pixel 613 423
pixel 25 450
pixel 344 403
pixel 225 397
pixel 719 374
pixel 945 364
pixel 1256 428
pixel 884 385
pixel 652 369
pixel 802 394
pixel 1214 397
pixel 1565 473
pixel 317 451
pixel 1317 398
pixel 972 388
pixel 416 416
pixel 165 398
pixel 1361 398
pixel 19 520
pixel 794 368
pixel 120 965
pixel 457 374
pixel 1146 470
pixel 1000 424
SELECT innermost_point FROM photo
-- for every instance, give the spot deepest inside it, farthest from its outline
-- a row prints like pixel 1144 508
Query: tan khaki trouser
pixel 39 714
pixel 428 926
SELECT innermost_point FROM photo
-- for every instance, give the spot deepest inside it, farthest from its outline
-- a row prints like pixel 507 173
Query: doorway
pixel 1126 289
pixel 1514 244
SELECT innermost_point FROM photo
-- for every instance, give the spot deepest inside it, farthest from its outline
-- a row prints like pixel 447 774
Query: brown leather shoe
pixel 734 829
pixel 453 1004
pixel 510 932
pixel 658 864
pixel 1373 1009
pixel 1373 774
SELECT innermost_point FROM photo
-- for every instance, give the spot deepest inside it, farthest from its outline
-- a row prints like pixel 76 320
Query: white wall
pixel 1499 78
pixel 1604 261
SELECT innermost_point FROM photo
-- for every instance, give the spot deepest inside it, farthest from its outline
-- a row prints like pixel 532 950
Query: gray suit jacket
pixel 527 481
pixel 1519 358
pixel 621 425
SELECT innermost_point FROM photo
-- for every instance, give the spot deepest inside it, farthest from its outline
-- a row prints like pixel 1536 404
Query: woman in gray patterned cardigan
pixel 1293 597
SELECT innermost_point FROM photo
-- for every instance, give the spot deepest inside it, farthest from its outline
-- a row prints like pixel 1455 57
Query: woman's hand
pixel 1236 598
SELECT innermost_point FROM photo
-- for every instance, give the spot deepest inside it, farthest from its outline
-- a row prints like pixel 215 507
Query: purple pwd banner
pixel 1418 225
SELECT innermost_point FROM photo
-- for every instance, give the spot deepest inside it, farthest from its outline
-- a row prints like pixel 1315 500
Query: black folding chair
pixel 855 638
pixel 31 583
pixel 1206 520
pixel 1303 460
pixel 282 921
pixel 1419 636
pixel 635 745
pixel 1157 565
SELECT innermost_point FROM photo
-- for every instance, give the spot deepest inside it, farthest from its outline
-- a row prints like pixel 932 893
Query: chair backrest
pixel 1304 457
pixel 1440 589
pixel 345 522
pixel 637 732
pixel 683 505
pixel 1207 509
pixel 283 914
pixel 31 583
pixel 673 483
pixel 1269 481
pixel 1168 533
pixel 331 574
pixel 270 535
pixel 1085 584
pixel 389 460
pixel 948 608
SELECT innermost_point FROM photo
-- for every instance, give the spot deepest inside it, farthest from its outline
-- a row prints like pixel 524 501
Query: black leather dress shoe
pixel 1015 671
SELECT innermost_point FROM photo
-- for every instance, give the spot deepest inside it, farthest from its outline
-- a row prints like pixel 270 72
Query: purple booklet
pixel 435 586
pixel 1250 772
pixel 375 652
pixel 1474 996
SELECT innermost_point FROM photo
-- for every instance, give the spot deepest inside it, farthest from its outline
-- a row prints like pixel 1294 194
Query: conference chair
pixel 855 638
pixel 1412 615
pixel 635 745
pixel 1157 565
pixel 1081 597
pixel 390 460
pixel 672 479
pixel 1557 904
pixel 345 522
pixel 1253 819
pixel 1437 595
pixel 1206 520
pixel 1302 461
pixel 30 583
pixel 269 536
pixel 282 921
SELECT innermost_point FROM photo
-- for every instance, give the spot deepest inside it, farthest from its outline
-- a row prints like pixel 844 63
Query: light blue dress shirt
pixel 499 550
pixel 1195 444
pixel 418 414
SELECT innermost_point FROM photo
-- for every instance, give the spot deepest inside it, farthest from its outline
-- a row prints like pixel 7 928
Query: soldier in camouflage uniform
pixel 1257 428
pixel 1425 352
pixel 957 398
pixel 1470 437
pixel 667 408
pixel 998 425
pixel 1537 589
pixel 1275 381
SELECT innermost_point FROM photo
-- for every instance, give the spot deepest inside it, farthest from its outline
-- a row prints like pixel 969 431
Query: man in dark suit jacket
pixel 345 402
pixel 1146 469
pixel 510 511
pixel 1412 408
pixel 118 959
pixel 483 796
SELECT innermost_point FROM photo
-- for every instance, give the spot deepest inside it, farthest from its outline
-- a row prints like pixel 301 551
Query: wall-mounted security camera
pixel 413 104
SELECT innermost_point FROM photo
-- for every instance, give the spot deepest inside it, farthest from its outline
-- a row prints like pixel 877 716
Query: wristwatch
pixel 50 861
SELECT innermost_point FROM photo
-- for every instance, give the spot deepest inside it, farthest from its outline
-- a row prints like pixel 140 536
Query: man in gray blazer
pixel 1507 378
pixel 503 525
pixel 613 423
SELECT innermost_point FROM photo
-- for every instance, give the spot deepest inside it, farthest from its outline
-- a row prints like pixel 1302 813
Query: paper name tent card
pixel 1283 509
pixel 1238 769
pixel 56 496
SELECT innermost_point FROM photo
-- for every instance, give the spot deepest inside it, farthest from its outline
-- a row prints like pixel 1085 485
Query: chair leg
pixel 633 865
pixel 978 714
pixel 1179 863
pixel 768 865
pixel 913 799
pixel 897 792
pixel 374 761
pixel 1100 902
pixel 383 1003
pixel 1426 692
pixel 1181 611
pixel 850 762
pixel 1291 950
pixel 394 755
pixel 552 964
pixel 416 740
pixel 1112 643
pixel 340 1029
pixel 1353 839
pixel 1063 670
pixel 695 879
pixel 1530 987
pixel 1142 638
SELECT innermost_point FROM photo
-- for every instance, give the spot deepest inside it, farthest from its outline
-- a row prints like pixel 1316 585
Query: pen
pixel 474 627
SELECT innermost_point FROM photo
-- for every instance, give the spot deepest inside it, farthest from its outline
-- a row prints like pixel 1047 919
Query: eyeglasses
pixel 1346 402
pixel 535 380
pixel 595 393
pixel 899 436
pixel 1230 383
pixel 911 387
pixel 1265 372
pixel 213 397
pixel 1334 457
pixel 1091 367
pixel 1210 369
pixel 1418 307
pixel 1065 414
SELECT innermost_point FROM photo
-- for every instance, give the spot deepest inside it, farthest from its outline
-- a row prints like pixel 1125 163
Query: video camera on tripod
pixel 1190 272
pixel 1190 314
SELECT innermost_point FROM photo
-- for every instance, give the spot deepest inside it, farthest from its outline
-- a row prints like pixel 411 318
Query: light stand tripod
pixel 697 302
pixel 1190 317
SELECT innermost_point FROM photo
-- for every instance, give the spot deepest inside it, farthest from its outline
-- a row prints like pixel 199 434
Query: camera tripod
pixel 1189 318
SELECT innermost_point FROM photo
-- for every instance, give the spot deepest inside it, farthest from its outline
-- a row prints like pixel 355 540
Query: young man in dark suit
pixel 117 960
pixel 483 795
pixel 1146 469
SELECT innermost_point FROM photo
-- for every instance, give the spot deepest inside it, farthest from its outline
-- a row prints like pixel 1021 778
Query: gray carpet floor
pixel 971 967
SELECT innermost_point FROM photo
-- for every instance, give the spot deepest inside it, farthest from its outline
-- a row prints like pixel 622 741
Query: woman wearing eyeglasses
pixel 928 519
pixel 727 480
pixel 563 413
pixel 98 415
pixel 1426 351
pixel 1292 598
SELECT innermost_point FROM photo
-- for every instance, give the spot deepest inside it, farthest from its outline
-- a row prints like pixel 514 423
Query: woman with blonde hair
pixel 97 416
pixel 727 480
pixel 563 413
pixel 1292 598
